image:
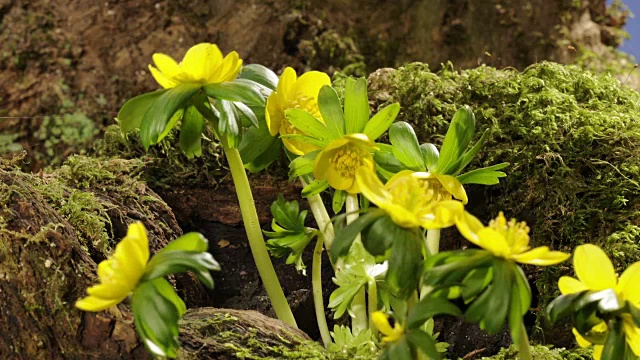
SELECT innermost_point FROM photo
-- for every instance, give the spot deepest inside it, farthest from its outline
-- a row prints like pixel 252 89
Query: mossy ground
pixel 572 139
pixel 540 352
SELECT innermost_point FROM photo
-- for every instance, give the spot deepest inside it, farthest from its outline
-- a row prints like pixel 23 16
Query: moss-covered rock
pixel 572 139
pixel 540 352
pixel 54 228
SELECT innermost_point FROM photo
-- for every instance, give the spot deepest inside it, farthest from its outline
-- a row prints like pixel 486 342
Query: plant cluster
pixel 389 200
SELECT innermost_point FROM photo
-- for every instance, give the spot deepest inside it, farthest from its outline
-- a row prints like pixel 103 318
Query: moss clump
pixel 224 333
pixel 572 139
pixel 164 164
pixel 540 352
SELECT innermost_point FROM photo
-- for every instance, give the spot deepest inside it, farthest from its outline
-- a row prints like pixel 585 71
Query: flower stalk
pixel 316 284
pixel 432 241
pixel 256 240
pixel 359 303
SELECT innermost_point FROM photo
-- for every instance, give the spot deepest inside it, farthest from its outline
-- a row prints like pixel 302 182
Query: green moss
pixel 572 139
pixel 540 352
pixel 60 133
pixel 244 344
pixel 164 164
pixel 334 52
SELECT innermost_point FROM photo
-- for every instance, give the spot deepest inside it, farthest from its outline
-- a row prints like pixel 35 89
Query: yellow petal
pixel 337 181
pixel 372 188
pixel 322 164
pixel 166 64
pixel 273 114
pixel 445 214
pixel 92 303
pixel 569 285
pixel 469 225
pixel 582 342
pixel 138 233
pixel 286 83
pixel 597 352
pixel 541 256
pixel 453 186
pixel 632 334
pixel 490 239
pixel 629 284
pixel 228 70
pixel 200 61
pixel 162 80
pixel 402 216
pixel 309 84
pixel 594 268
pixel 112 290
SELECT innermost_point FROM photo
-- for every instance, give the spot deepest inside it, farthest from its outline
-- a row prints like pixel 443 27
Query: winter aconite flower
pixel 508 240
pixel 120 273
pixel 293 92
pixel 595 272
pixel 387 325
pixel 411 199
pixel 338 161
pixel 202 64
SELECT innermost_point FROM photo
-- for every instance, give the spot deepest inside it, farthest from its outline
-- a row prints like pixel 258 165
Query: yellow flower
pixel 202 64
pixel 509 240
pixel 412 199
pixel 294 92
pixel 387 326
pixel 595 272
pixel 338 161
pixel 120 273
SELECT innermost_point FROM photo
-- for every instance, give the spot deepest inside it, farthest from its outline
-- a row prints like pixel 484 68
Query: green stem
pixel 359 303
pixel 523 345
pixel 372 291
pixel 316 283
pixel 322 217
pixel 433 241
pixel 256 240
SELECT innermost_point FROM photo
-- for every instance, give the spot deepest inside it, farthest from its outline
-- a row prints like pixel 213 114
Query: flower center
pixel 413 194
pixel 515 233
pixel 347 159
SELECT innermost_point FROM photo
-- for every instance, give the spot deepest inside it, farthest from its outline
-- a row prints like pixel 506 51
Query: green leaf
pixel 247 113
pixel 469 155
pixel 476 280
pixel 242 90
pixel 344 237
pixel 307 139
pixel 339 197
pixel 405 263
pixel 192 241
pixel 348 286
pixel 381 121
pixel 615 346
pixel 256 140
pixel 430 155
pixel 331 111
pixel 132 112
pixel 308 124
pixel 266 158
pixel 562 306
pixel 228 126
pixel 314 188
pixel 303 165
pixel 520 302
pixel 400 350
pixel 156 318
pixel 379 236
pixel 405 146
pixel 424 342
pixel 484 176
pixel 260 74
pixel 191 132
pixel 155 119
pixel 491 307
pixel 356 105
pixel 429 307
pixel 456 141
pixel 166 290
pixel 178 261
pixel 634 311
pixel 388 163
